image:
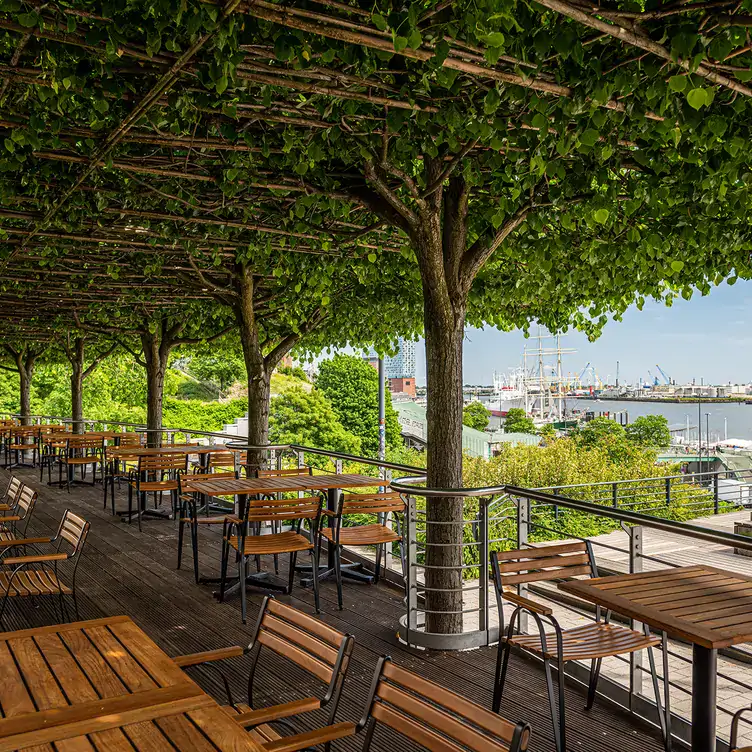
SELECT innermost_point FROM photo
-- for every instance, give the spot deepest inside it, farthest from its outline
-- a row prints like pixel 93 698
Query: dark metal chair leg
pixel 338 574
pixel 555 720
pixel 562 722
pixel 502 663
pixel 595 670
pixel 223 574
pixel 315 572
pixel 181 530
pixel 291 580
pixel 242 575
pixel 194 546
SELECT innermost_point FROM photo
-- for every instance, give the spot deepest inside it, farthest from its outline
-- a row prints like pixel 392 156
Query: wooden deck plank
pixel 124 572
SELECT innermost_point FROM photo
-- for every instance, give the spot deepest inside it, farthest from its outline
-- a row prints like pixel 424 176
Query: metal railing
pixel 512 517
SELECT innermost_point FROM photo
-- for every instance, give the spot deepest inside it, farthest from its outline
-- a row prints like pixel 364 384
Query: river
pixel 724 418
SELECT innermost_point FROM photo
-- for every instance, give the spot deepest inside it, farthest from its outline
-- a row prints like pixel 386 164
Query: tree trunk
pixel 156 352
pixel 76 357
pixel 25 374
pixel 444 470
pixel 258 373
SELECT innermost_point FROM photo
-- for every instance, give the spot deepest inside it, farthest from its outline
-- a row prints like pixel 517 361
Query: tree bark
pixel 259 376
pixel 156 350
pixel 76 357
pixel 25 375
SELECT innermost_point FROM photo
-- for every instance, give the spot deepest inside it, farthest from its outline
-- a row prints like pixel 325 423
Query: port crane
pixel 663 373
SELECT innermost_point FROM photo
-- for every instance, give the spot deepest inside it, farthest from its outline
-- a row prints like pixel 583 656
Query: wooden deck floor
pixel 127 572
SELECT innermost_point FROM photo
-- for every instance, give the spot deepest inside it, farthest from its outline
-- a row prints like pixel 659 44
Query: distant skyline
pixel 703 338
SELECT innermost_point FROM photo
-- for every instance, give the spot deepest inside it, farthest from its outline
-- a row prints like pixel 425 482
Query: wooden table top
pixel 62 436
pixel 134 451
pixel 283 484
pixel 704 605
pixel 92 679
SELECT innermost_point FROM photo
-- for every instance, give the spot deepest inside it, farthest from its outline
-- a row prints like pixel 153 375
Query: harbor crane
pixel 653 379
pixel 663 373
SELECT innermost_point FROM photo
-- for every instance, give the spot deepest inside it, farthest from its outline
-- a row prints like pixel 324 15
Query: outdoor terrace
pixel 126 572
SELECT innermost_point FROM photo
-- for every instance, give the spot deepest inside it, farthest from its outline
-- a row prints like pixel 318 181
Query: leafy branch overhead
pixel 552 160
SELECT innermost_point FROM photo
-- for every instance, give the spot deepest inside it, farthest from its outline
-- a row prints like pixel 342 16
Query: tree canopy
pixel 352 387
pixel 476 415
pixel 650 431
pixel 517 421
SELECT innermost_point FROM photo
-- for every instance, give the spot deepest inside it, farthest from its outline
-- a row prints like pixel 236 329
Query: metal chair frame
pixel 157 466
pixel 80 450
pixel 65 534
pixel 558 713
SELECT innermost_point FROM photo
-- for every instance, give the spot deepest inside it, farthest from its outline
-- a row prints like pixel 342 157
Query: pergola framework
pixel 302 164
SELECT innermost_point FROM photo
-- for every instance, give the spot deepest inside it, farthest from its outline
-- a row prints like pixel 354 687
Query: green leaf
pixel 400 43
pixel 27 19
pixel 589 137
pixel 677 83
pixel 717 125
pixel 372 258
pixel 414 40
pixel 494 39
pixel 441 51
pixel 379 21
pixel 601 216
pixel 677 266
pixel 221 84
pixel 697 98
pixel 101 106
pixel 10 6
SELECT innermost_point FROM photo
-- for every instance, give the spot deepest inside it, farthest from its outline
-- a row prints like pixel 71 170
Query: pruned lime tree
pixel 495 161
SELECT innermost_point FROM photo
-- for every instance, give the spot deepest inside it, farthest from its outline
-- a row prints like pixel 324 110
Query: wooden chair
pixel 8 499
pixel 252 544
pixel 376 505
pixel 593 641
pixel 50 449
pixel 320 650
pixel 23 439
pixel 734 741
pixel 13 526
pixel 82 452
pixel 283 472
pixel 223 462
pixel 434 717
pixel 190 500
pixel 119 468
pixel 155 474
pixel 37 574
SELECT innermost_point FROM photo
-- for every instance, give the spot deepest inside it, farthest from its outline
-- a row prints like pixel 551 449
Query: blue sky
pixel 706 337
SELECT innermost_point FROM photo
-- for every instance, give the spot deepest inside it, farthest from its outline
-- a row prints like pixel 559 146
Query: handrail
pixel 403 485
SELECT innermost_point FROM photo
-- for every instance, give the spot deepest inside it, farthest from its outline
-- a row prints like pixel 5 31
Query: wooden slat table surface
pixel 131 451
pixel 103 684
pixel 87 435
pixel 704 605
pixel 283 484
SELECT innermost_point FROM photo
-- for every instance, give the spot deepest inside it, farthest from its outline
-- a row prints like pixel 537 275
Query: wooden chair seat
pixel 5 535
pixel 594 640
pixel 33 582
pixel 156 485
pixel 204 520
pixel 362 535
pixel 276 543
pixel 88 460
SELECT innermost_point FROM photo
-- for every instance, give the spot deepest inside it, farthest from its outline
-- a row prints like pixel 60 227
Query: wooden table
pixel 709 607
pixel 242 488
pixel 98 684
pixel 134 451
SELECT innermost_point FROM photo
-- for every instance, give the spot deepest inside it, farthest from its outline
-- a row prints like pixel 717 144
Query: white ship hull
pixel 501 405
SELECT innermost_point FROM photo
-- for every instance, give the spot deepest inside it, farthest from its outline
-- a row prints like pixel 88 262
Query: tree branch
pixel 93 365
pixel 208 282
pixel 619 31
pixel 135 355
pixel 450 168
pixel 198 340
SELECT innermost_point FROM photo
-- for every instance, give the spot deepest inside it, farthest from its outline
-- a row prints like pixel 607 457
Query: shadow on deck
pixel 126 572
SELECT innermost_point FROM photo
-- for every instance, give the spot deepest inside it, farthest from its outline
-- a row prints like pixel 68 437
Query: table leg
pixel 704 684
pixel 349 571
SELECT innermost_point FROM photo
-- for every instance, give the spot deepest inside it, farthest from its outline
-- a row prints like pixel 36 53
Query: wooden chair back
pixel 25 501
pixel 312 645
pixel 11 493
pixel 284 472
pixel 73 531
pixel 24 436
pixel 130 438
pixel 435 717
pixel 374 503
pixel 525 565
pixel 83 446
pixel 281 510
pixel 221 460
pixel 170 462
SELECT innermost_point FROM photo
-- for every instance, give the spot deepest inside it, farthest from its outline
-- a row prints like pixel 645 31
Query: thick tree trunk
pixel 76 357
pixel 444 416
pixel 25 374
pixel 259 374
pixel 156 352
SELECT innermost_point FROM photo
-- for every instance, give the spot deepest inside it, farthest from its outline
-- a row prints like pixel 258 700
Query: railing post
pixel 386 475
pixel 301 459
pixel 615 495
pixel 524 508
pixel 668 492
pixel 412 561
pixel 715 493
pixel 635 659
pixel 483 553
pixel 338 466
pixel 556 506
